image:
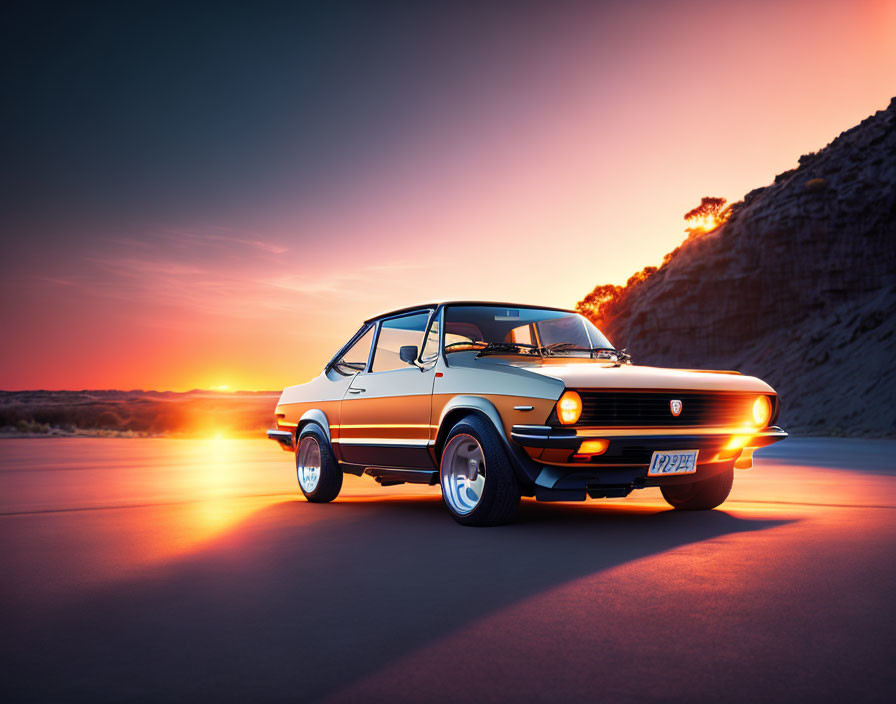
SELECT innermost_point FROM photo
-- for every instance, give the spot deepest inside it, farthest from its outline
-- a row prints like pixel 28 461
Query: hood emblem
pixel 675 407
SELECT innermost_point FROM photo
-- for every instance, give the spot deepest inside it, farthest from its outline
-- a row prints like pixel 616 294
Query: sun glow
pixel 738 442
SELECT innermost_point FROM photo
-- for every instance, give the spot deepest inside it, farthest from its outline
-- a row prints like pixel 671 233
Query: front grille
pixel 652 409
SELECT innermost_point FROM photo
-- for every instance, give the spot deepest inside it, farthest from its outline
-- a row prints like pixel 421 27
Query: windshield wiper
pixel 622 356
pixel 491 347
pixel 508 347
pixel 556 347
pixel 465 343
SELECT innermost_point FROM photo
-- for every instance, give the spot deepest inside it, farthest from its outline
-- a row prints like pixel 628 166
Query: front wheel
pixel 320 478
pixel 702 495
pixel 479 486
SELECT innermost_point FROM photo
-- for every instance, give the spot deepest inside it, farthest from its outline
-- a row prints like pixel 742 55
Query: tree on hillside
pixel 598 306
pixel 707 216
pixel 594 304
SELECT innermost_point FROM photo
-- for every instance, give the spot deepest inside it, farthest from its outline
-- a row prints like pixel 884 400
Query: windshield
pixel 526 331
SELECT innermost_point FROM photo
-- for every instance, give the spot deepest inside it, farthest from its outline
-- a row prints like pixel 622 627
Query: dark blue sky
pixel 129 110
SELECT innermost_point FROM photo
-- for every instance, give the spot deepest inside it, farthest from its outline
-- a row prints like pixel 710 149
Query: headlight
pixel 762 411
pixel 569 407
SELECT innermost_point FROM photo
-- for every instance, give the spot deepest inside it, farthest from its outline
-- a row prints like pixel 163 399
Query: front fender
pixel 459 405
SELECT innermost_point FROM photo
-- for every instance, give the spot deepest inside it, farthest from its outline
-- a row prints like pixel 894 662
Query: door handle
pixel 356 391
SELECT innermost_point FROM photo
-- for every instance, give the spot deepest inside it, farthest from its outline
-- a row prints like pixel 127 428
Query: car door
pixel 328 392
pixel 385 414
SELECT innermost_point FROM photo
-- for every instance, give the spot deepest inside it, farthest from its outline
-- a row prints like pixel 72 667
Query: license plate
pixel 663 464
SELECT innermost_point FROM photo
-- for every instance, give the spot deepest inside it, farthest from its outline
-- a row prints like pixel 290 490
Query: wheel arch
pixel 316 416
pixel 461 406
pixel 465 405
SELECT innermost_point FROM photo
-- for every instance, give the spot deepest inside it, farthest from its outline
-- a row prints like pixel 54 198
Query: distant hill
pixel 136 413
pixel 798 288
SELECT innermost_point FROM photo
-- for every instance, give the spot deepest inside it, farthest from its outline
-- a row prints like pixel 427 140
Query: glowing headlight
pixel 762 411
pixel 569 407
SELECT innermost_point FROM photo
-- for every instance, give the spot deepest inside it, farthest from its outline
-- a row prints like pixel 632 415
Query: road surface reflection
pixel 133 565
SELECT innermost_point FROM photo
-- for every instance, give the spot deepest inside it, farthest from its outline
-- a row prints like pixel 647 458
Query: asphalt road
pixel 176 570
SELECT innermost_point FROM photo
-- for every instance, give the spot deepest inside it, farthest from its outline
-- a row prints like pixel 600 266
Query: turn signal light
pixel 569 407
pixel 762 411
pixel 594 447
pixel 745 461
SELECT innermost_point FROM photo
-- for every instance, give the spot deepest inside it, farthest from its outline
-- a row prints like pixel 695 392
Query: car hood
pixel 600 374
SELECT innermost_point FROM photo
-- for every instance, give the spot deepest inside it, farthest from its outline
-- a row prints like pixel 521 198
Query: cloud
pixel 137 268
pixel 54 280
pixel 221 274
pixel 221 238
pixel 343 283
pixel 258 244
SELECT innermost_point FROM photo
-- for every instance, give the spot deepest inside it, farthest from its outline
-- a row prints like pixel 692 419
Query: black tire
pixel 329 480
pixel 702 495
pixel 500 495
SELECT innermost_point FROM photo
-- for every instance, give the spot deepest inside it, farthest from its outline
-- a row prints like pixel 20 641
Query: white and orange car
pixel 497 401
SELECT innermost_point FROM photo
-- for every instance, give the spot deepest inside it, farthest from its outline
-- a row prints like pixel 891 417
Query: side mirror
pixel 408 353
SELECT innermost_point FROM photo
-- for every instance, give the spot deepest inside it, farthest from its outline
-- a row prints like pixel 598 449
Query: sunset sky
pixel 213 195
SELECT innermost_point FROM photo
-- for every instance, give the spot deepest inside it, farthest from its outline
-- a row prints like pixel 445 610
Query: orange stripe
pixel 384 425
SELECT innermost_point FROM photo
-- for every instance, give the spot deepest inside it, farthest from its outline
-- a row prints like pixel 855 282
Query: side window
pixel 430 350
pixel 394 334
pixel 355 358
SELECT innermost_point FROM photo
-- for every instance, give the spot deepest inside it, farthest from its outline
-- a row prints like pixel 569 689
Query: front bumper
pixel 548 437
pixel 284 437
pixel 563 475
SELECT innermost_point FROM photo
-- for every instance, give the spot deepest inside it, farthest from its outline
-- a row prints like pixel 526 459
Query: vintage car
pixel 495 401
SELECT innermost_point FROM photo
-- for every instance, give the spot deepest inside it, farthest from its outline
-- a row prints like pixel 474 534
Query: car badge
pixel 675 407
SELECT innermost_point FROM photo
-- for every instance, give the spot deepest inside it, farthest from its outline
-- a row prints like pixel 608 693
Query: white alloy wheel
pixel 308 464
pixel 463 473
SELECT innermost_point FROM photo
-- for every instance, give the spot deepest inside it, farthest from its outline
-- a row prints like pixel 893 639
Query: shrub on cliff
pixel 595 304
pixel 710 214
pixel 598 306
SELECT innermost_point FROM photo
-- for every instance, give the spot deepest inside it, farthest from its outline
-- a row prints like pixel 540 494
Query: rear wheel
pixel 320 478
pixel 702 495
pixel 478 484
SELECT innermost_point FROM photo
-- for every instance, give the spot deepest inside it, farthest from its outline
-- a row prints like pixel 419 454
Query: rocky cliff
pixel 798 287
